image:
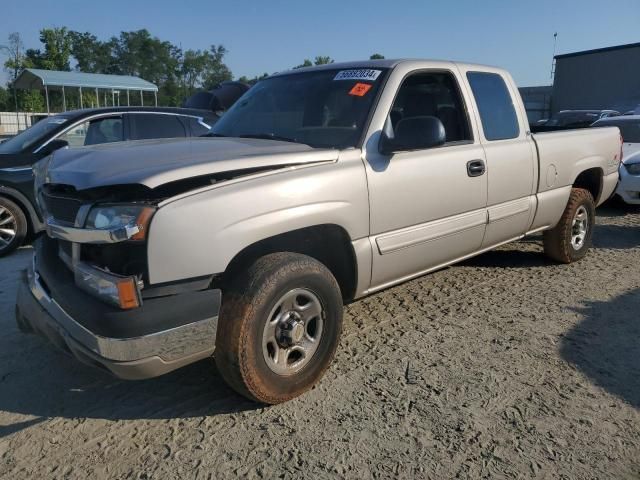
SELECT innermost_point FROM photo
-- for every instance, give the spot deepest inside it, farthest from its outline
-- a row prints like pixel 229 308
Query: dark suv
pixel 18 213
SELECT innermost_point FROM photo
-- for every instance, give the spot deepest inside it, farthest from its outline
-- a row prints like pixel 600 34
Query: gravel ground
pixel 503 366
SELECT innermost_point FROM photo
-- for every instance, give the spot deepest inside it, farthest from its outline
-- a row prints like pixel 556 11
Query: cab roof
pixel 384 63
pixel 87 112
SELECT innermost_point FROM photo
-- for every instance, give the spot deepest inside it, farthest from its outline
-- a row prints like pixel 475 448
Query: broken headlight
pixel 134 218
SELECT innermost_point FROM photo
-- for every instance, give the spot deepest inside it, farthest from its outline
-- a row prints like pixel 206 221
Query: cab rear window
pixel 495 105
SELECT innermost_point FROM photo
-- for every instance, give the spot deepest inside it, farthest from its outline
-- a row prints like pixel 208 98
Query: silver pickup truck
pixel 318 187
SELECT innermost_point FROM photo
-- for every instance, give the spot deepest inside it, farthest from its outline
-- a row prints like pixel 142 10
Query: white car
pixel 629 185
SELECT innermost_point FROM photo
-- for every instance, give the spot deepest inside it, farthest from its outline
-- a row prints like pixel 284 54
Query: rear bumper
pixel 145 356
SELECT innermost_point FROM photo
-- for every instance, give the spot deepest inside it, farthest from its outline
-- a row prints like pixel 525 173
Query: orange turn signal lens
pixel 142 222
pixel 112 288
pixel 128 294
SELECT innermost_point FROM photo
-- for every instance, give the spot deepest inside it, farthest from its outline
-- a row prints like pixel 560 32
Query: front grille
pixel 61 208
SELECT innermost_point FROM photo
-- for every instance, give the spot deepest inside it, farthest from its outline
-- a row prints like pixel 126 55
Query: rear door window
pixel 95 132
pixel 146 126
pixel 495 105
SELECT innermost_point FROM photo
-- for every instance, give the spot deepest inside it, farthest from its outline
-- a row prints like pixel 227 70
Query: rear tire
pixel 570 240
pixel 13 226
pixel 279 327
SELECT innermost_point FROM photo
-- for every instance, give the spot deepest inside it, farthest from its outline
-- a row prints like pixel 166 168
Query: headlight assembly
pixel 633 168
pixel 133 218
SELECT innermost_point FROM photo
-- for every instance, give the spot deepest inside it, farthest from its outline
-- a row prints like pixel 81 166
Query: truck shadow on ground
pixel 38 381
pixel 616 208
pixel 67 389
pixel 616 237
pixel 605 345
pixel 508 259
pixel 520 255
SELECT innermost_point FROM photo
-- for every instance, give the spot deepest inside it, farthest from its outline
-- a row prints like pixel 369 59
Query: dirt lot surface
pixel 504 366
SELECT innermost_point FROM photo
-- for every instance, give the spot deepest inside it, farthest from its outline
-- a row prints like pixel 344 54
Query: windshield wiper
pixel 269 136
pixel 211 134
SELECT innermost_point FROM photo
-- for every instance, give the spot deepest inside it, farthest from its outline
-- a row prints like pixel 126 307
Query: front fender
pixel 199 234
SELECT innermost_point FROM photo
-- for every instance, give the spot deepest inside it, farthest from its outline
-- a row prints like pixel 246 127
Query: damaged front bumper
pixel 164 334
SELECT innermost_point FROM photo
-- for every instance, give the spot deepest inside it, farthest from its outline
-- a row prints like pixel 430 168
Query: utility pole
pixel 553 59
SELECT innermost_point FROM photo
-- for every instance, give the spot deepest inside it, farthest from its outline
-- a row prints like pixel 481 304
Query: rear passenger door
pixel 427 207
pixel 146 126
pixel 510 154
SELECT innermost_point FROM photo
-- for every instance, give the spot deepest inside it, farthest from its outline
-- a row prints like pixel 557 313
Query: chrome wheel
pixel 8 227
pixel 579 228
pixel 292 332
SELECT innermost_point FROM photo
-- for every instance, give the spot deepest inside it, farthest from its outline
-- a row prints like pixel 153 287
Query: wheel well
pixel 590 180
pixel 25 210
pixel 329 244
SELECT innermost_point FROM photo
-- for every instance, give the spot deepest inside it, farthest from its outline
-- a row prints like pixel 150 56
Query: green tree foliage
pixel 31 101
pixel 57 50
pixel 6 100
pixel 91 55
pixel 178 74
pixel 254 80
pixel 322 60
pixel 139 54
pixel 319 60
pixel 216 71
pixel 204 69
pixel 306 63
pixel 376 56
pixel 19 59
pixel 15 62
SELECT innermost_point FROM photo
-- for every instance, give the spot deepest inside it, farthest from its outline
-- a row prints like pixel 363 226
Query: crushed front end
pixel 88 288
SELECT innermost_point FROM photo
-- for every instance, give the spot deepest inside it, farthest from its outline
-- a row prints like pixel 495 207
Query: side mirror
pixel 414 133
pixel 52 146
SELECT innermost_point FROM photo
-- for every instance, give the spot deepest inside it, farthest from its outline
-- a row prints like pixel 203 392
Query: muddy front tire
pixel 570 240
pixel 279 327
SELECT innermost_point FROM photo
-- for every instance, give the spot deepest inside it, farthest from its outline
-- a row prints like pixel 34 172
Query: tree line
pixel 178 73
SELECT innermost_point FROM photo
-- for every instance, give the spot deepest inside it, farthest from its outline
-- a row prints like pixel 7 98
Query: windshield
pixel 324 108
pixel 31 136
pixel 629 129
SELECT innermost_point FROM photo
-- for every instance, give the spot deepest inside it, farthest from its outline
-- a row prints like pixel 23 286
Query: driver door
pixel 427 207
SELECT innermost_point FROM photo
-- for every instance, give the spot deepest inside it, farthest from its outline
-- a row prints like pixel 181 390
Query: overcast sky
pixel 273 35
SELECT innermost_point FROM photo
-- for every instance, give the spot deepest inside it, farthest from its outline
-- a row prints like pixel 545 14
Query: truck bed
pixel 562 155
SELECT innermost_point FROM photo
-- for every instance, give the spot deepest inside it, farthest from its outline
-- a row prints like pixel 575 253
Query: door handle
pixel 476 168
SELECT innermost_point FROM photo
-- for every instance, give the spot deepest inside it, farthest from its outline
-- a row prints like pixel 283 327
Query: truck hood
pixel 157 162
